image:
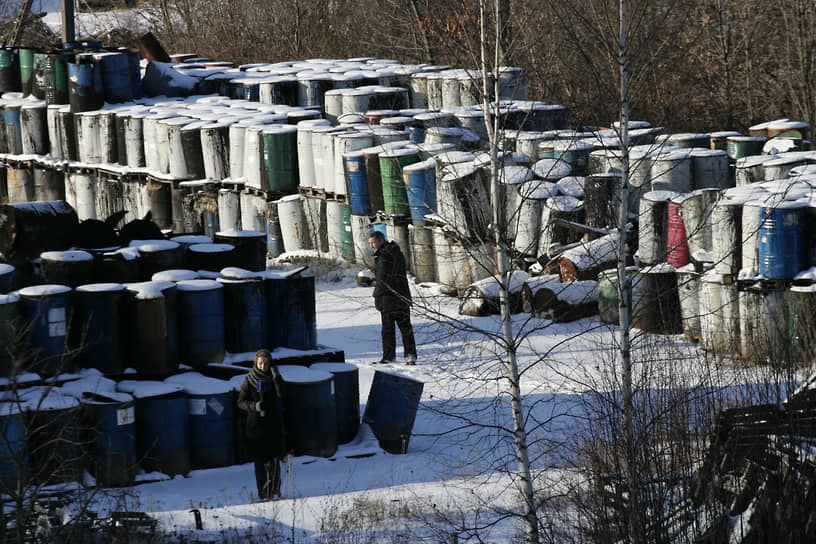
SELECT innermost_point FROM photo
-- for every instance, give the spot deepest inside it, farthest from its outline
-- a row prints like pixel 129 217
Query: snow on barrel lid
pixel 564 203
pixel 398 152
pixel 699 152
pixel 195 383
pixel 6 268
pixel 238 233
pixel 175 275
pixel 751 161
pixel 10 298
pixel 515 174
pixel 427 164
pixel 198 285
pixel 148 388
pixel 659 196
pixel 279 129
pixel 458 170
pixel 334 368
pixel 151 246
pixel 66 256
pixel 149 289
pixel 47 398
pixel 235 273
pixel 659 268
pixel 210 248
pixel 48 289
pixel 100 288
pixel 302 374
pixel 572 186
pixel 289 198
pixel 552 169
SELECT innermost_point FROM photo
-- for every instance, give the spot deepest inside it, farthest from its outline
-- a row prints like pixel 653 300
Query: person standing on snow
pixel 261 396
pixel 392 298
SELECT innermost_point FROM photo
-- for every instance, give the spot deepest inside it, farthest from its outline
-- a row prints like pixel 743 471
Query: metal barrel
pixel 46 310
pixel 311 89
pixel 655 300
pixel 445 263
pixel 677 249
pixel 346 234
pixel 10 70
pixel 395 196
pixel 244 313
pixel 250 247
pixel 215 150
pixel 360 229
pixel 782 251
pixel 211 257
pixel 567 208
pixel 310 411
pixel 573 152
pixel 763 325
pixel 334 228
pixel 688 288
pixel 357 100
pixel 176 158
pixel 20 182
pixel 748 170
pixel 719 314
pixel 34 128
pixel 709 169
pixel 162 427
pixel 253 167
pixel 55 84
pixel 743 146
pixel 151 333
pixel 109 422
pixel 346 398
pixel 53 435
pixel 229 209
pixel 10 321
pixel 695 211
pixel 317 226
pixel 211 418
pixel 726 236
pixel 344 143
pixel 543 117
pixel 117 266
pixel 391 409
pixel 801 303
pixel 398 233
pixel 301 322
pixel 420 181
pixel 463 201
pixel 13 124
pixel 305 151
pixel 280 158
pixel 192 151
pixel 357 182
pixel 749 227
pixel 26 69
pixel 158 255
pixel 608 300
pixel 671 171
pixel 602 199
pixel 96 327
pixel 200 315
pixel 14 456
pixel 423 264
pixel 116 76
pixel 373 177
pixel 292 223
pixel 72 268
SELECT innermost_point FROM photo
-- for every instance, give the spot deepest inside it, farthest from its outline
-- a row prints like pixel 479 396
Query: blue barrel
pixel 96 327
pixel 542 117
pixel 53 426
pixel 300 320
pixel 110 417
pixel 13 453
pixel 6 278
pixel 135 72
pixel 73 267
pixel 420 182
pixel 311 425
pixel 46 309
pixel 85 88
pixel 151 333
pixel 201 322
pixel 162 426
pixel 14 128
pixel 391 409
pixel 211 416
pixel 244 310
pixel 277 308
pixel 240 440
pixel 158 255
pixel 346 398
pixel 250 247
pixel 357 181
pixel 782 247
pixel 380 227
pixel 115 77
pixel 9 325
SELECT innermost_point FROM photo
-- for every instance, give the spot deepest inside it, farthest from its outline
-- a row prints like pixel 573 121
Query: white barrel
pixel 154 157
pixel 66 129
pixel 451 89
pixel 334 229
pixel 399 234
pixel 83 188
pixel 419 90
pixel 709 168
pixel 215 150
pixel 749 170
pixel 142 197
pixel 726 238
pixel 360 229
pixel 474 121
pixel 162 144
pixel 357 100
pixel 345 143
pixel 763 324
pixel 749 232
pixel 688 288
pixel 190 135
pixel 527 143
pixel 176 157
pixel 513 179
pixel 567 208
pixel 229 209
pixel 444 135
pixel 446 271
pixel 434 90
pixel 52 121
pixel 319 134
pixel 512 83
pixel 253 156
pixel 306 171
pixel 254 212
pixel 236 150
pixel 423 265
pixel 653 226
pixel 134 139
pixel 527 216
pixel 34 127
pixel 695 210
pixel 781 166
pixel 314 211
pixel 87 137
pixel 719 314
pixel 333 105
pixel 671 171
pixel 292 223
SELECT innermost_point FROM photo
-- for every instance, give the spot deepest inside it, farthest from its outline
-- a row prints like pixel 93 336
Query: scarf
pixel 256 374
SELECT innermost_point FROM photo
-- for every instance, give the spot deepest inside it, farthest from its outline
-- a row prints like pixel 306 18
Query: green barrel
pixel 9 70
pixel 56 78
pixel 26 70
pixel 742 146
pixel 280 158
pixel 608 304
pixel 345 232
pixel 394 192
pixel 801 302
pixel 9 320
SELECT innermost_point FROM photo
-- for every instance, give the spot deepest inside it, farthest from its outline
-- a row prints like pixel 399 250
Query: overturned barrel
pixel 391 409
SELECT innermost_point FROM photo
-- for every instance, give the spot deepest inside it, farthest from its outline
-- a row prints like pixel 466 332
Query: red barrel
pixel 677 250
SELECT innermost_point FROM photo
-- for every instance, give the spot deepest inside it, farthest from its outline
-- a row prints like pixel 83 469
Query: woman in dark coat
pixel 265 430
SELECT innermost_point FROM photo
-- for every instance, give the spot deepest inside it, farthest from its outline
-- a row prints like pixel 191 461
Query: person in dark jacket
pixel 262 397
pixel 392 298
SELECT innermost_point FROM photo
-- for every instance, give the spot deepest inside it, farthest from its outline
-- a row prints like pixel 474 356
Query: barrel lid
pixel 288 198
pixel 32 103
pixel 660 268
pixel 279 129
pixel 211 248
pixel 562 146
pixel 457 171
pixel 176 121
pixel 354 135
pixel 427 164
pixel 238 233
pixel 195 383
pixel 751 161
pixel 148 388
pixel 746 138
pixel 191 239
pixel 9 298
pixel 310 124
pixel 6 269
pixel 334 368
pixel 725 134
pixel 514 174
pixel 235 273
pixel 564 203
pixel 48 289
pixel 552 169
pixel 303 374
pixel 660 196
pixel 396 120
pixel 449 157
pixel 699 152
pixel 787 158
pixel 198 285
pixel 149 289
pixel 804 288
pixel 445 131
pixel 46 398
pixel 175 275
pixel 434 148
pixel 66 256
pixel 572 186
pixel 538 189
pixel 399 152
pixel 101 288
pixel 150 246
pixel 785 124
pixel 126 253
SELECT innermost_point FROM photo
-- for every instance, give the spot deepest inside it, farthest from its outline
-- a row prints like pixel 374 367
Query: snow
pixel 151 246
pixel 100 288
pixel 195 383
pixel 66 256
pixel 6 269
pixel 334 368
pixel 237 233
pixel 10 298
pixel 303 374
pixel 149 289
pixel 211 248
pixel 235 273
pixel 44 290
pixel 148 388
pixel 198 285
pixel 552 169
